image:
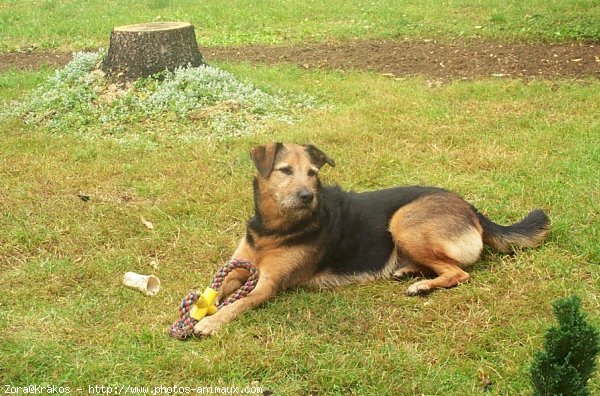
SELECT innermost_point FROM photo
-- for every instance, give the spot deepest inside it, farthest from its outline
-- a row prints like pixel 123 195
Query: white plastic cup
pixel 147 284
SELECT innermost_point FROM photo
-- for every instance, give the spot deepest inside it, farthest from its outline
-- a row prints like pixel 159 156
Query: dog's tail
pixel 527 233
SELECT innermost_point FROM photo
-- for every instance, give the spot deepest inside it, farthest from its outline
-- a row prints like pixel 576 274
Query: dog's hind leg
pixel 448 275
pixel 406 268
pixel 441 233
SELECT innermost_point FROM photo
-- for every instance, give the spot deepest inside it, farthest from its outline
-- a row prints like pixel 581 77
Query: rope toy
pixel 196 306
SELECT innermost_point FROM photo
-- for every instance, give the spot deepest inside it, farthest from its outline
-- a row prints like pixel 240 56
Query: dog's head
pixel 289 174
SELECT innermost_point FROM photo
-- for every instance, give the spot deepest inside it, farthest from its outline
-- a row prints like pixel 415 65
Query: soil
pixel 428 58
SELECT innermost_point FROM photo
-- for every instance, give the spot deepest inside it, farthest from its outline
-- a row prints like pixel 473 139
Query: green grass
pixel 85 24
pixel 507 146
pixel 13 82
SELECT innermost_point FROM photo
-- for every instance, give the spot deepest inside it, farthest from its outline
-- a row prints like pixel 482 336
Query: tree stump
pixel 137 51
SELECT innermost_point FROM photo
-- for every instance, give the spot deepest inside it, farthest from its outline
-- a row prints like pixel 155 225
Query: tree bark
pixel 137 51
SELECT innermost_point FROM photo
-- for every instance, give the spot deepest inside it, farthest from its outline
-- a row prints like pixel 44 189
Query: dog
pixel 306 234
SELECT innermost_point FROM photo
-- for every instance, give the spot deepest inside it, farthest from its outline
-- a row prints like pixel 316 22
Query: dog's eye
pixel 312 173
pixel 286 171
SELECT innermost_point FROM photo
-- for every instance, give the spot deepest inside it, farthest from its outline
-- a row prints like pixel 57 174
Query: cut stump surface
pixel 137 51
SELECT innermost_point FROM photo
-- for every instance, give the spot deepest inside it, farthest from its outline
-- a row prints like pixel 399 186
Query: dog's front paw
pixel 207 326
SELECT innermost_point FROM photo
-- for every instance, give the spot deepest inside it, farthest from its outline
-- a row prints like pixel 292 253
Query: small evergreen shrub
pixel 568 359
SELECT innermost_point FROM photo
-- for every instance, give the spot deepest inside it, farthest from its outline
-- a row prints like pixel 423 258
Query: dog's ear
pixel 264 157
pixel 318 157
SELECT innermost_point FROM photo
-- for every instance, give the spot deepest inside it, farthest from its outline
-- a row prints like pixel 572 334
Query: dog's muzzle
pixel 305 196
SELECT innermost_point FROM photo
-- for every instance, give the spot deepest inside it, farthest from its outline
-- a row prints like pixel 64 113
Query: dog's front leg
pixel 234 280
pixel 238 276
pixel 266 287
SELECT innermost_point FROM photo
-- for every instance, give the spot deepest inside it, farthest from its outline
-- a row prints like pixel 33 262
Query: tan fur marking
pixel 279 191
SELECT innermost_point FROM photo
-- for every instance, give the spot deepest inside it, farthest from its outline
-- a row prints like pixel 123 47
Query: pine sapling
pixel 568 359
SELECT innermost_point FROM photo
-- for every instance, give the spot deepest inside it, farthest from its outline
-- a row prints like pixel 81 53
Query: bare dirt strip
pixel 428 58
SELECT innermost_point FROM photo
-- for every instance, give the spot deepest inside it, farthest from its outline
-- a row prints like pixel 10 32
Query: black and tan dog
pixel 303 233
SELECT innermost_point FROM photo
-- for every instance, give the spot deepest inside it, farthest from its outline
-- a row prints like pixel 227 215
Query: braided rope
pixel 245 289
pixel 184 326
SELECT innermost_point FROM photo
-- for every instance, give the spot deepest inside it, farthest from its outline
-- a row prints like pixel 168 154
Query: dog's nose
pixel 305 196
